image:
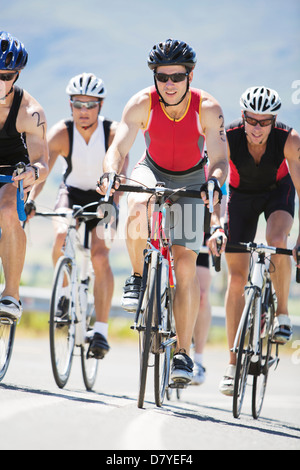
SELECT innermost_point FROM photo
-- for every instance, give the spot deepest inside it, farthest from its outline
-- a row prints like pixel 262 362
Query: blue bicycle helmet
pixel 13 55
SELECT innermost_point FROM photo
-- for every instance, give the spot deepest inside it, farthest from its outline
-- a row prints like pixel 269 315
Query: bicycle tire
pixel 146 332
pixel 7 337
pixel 243 358
pixel 89 365
pixel 260 380
pixel 162 363
pixel 62 327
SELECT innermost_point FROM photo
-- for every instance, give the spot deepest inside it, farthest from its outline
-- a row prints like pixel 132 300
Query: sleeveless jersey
pixel 244 174
pixel 85 161
pixel 13 147
pixel 175 145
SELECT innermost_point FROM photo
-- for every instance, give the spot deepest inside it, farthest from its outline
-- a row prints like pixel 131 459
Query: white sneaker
pixel 10 307
pixel 227 383
pixel 199 374
pixel 282 332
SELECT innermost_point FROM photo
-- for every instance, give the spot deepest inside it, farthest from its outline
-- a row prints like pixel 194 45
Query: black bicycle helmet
pixel 172 52
pixel 13 55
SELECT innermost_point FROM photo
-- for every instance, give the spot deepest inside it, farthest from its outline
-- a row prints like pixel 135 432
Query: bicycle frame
pixel 259 277
pixel 79 300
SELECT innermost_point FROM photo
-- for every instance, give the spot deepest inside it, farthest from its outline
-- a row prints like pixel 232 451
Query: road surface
pixel 36 415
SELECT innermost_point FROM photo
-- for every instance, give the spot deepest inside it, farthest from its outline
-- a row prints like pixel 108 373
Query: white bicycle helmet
pixel 86 84
pixel 260 100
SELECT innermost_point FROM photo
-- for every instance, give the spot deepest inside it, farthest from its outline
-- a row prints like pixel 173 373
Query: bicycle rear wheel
pixel 146 330
pixel 7 336
pixel 265 360
pixel 62 322
pixel 244 355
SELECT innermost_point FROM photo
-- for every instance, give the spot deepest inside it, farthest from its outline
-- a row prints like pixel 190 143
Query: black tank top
pixel 244 174
pixel 13 147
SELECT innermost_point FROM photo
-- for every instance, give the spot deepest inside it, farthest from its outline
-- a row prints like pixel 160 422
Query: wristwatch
pixel 36 172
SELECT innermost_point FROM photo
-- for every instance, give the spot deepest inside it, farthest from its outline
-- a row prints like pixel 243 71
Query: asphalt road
pixel 36 415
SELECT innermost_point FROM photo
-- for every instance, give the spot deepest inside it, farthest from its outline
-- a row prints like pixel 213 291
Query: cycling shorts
pixel 69 196
pixel 186 214
pixel 244 209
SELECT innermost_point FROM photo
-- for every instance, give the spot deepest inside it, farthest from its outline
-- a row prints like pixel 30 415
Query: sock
pixel 101 328
pixel 198 358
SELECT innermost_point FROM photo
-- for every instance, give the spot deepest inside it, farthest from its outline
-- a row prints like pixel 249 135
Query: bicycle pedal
pixel 6 320
pixel 179 385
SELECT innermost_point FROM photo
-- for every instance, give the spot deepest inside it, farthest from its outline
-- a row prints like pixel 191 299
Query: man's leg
pixel 103 292
pixel 202 324
pixel 12 244
pixel 279 225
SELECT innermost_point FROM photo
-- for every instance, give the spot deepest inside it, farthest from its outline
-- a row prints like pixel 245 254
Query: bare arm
pixel 134 118
pixel 32 122
pixel 292 154
pixel 214 129
pixel 58 142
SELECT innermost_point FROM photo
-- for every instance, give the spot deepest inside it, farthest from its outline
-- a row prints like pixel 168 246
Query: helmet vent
pixel 9 58
pixel 4 45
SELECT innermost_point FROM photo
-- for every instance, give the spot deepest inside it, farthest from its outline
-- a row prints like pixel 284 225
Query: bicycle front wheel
pixel 7 336
pixel 89 365
pixel 162 361
pixel 62 322
pixel 265 360
pixel 244 355
pixel 146 330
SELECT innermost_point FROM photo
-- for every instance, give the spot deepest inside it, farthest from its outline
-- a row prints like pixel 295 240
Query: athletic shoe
pixel 227 383
pixel 99 347
pixel 132 289
pixel 282 331
pixel 10 307
pixel 199 374
pixel 182 368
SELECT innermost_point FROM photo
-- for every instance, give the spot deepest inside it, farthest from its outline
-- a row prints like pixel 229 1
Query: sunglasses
pixel 85 104
pixel 263 123
pixel 7 77
pixel 175 77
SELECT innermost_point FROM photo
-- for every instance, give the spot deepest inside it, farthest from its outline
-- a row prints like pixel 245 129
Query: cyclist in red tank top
pixel 174 119
pixel 175 144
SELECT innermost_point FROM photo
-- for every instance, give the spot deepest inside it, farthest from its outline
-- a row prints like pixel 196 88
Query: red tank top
pixel 175 145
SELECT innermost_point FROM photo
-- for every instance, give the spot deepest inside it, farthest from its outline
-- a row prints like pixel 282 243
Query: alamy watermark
pixel 296 354
pixel 296 93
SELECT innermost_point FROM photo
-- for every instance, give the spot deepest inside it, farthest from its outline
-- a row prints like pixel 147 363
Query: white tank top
pixel 87 159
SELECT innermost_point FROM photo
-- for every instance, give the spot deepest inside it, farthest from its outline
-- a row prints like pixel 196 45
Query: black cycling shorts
pixel 203 258
pixel 69 196
pixel 244 209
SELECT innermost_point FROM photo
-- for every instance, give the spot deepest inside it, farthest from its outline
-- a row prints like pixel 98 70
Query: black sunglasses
pixel 7 77
pixel 175 77
pixel 263 122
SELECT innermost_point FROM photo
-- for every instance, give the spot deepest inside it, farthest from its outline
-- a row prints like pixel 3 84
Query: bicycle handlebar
pixel 159 189
pixel 261 248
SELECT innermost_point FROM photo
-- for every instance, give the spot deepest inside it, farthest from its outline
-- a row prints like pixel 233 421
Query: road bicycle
pixel 256 350
pixel 7 324
pixel 72 312
pixel 154 319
